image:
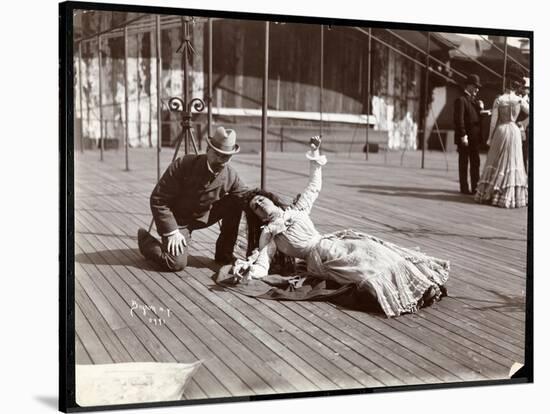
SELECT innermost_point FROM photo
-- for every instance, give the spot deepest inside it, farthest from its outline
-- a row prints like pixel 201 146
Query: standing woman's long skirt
pixel 503 182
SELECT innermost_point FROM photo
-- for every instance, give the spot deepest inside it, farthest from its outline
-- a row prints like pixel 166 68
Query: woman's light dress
pixel 503 182
pixel 398 277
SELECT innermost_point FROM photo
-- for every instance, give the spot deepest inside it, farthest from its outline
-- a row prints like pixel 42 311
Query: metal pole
pixel 505 61
pixel 322 75
pixel 185 30
pixel 426 89
pixel 209 100
pixel 368 95
pixel 159 103
pixel 126 131
pixel 100 101
pixel 80 80
pixel 264 103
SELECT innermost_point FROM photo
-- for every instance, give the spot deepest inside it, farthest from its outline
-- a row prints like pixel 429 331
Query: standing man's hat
pixel 473 80
pixel 223 141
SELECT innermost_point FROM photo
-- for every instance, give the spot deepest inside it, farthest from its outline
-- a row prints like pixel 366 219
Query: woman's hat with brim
pixel 473 80
pixel 224 141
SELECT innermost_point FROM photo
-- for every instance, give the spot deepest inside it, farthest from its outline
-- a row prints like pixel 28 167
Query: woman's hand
pixel 241 267
pixel 315 143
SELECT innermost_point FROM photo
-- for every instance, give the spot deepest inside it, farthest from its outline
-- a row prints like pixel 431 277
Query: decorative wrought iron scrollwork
pixel 176 104
pixel 198 104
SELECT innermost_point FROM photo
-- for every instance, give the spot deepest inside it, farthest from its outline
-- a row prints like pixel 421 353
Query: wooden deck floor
pixel 251 346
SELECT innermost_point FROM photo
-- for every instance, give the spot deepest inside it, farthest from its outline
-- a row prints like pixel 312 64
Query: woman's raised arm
pixel 311 192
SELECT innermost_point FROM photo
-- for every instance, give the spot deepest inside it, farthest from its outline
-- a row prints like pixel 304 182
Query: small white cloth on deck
pixel 133 382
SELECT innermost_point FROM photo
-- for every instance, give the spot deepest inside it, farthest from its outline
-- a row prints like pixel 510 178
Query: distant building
pixel 397 81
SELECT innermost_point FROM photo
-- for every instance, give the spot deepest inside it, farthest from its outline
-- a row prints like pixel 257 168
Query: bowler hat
pixel 473 80
pixel 223 141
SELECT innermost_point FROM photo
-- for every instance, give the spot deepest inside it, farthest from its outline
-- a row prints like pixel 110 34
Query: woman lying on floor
pixel 401 280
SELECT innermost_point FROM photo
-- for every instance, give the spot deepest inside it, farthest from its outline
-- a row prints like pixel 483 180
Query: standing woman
pixel 503 182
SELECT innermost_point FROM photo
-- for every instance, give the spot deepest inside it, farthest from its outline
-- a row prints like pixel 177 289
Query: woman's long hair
pixel 281 263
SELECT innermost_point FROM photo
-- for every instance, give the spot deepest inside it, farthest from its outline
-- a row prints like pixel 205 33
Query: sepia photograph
pixel 277 206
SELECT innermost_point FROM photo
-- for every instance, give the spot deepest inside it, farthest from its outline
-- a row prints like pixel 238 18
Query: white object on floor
pixel 133 382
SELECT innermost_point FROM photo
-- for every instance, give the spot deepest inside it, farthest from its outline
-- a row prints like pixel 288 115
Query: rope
pixel 405 55
pixel 424 52
pixel 449 43
pixel 502 51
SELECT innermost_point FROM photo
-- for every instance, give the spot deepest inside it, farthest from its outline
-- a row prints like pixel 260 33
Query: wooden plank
pixel 489 363
pixel 447 346
pixel 294 362
pixel 464 357
pixel 167 336
pixel 492 319
pixel 481 323
pixel 383 356
pixel 359 360
pixel 137 350
pixel 315 332
pixel 197 328
pixel 134 344
pixel 81 355
pixel 107 337
pixel 424 367
pixel 513 323
pixel 268 302
pixel 93 345
pixel 186 322
pixel 101 302
pixel 156 347
pixel 461 339
pixel 499 341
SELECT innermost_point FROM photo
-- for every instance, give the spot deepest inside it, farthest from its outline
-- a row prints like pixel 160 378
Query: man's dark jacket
pixel 467 120
pixel 186 193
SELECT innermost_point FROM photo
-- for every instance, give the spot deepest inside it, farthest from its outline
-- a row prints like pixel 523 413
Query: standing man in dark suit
pixel 467 114
pixel 195 192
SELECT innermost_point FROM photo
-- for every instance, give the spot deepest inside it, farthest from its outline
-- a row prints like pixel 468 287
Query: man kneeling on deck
pixel 195 192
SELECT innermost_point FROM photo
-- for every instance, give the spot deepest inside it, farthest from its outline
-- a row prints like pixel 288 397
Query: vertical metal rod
pixel 322 75
pixel 80 82
pixel 277 96
pixel 127 122
pixel 505 61
pixel 159 103
pixel 426 89
pixel 185 30
pixel 101 138
pixel 209 132
pixel 151 35
pixel 368 94
pixel 264 103
pixel 139 43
